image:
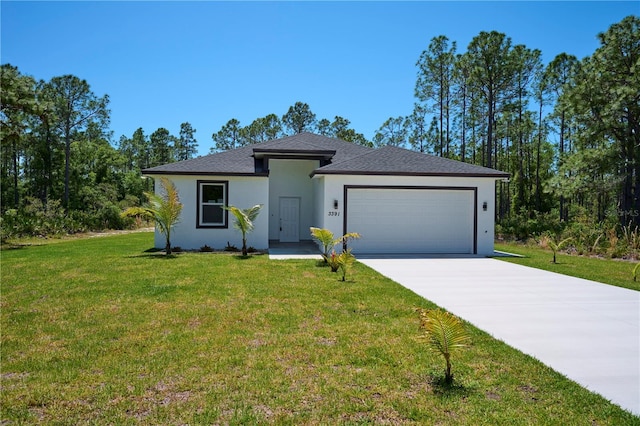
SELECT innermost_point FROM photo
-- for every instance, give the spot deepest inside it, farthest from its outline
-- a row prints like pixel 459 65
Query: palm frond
pixel 444 331
pixel 252 212
pixel 165 207
pixel 242 222
pixel 136 212
pixel 324 237
pixel 346 237
pixel 559 245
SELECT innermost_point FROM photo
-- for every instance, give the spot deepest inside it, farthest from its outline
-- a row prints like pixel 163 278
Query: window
pixel 212 196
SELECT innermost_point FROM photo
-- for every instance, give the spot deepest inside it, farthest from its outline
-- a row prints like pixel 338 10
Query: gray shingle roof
pixel 349 158
pixel 240 161
pixel 390 160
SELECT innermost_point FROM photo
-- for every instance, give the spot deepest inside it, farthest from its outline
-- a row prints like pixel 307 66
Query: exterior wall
pixel 290 178
pixel 334 190
pixel 244 192
pixel 319 204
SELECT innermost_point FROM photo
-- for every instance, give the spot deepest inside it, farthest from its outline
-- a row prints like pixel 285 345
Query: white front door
pixel 289 219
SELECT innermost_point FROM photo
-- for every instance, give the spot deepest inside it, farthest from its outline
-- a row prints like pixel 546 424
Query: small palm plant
pixel 345 262
pixel 553 244
pixel 325 238
pixel 244 221
pixel 163 209
pixel 444 334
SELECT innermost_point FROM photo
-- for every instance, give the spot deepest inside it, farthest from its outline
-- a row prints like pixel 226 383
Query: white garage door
pixel 392 220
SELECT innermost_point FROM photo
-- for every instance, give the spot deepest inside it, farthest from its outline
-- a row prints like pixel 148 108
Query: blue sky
pixel 163 63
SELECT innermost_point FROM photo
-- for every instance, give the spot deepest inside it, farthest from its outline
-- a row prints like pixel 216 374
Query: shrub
pixel 230 247
pixel 206 249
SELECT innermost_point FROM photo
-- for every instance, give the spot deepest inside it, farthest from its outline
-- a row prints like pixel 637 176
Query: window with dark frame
pixel 212 197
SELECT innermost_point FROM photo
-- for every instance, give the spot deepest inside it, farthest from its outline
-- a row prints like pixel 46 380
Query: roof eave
pixel 195 173
pixel 497 175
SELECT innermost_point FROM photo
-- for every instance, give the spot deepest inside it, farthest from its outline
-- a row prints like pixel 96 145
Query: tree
pixel 244 221
pixel 605 102
pixel 435 75
pixel 339 128
pixel 230 136
pixel 17 103
pixel 161 143
pixel 392 132
pixel 416 125
pixel 557 76
pixel 526 65
pixel 324 127
pixel 261 130
pixel 164 209
pixel 299 119
pixel 271 127
pixel 490 61
pixel 141 149
pixel 75 106
pixel 186 144
pixel 461 99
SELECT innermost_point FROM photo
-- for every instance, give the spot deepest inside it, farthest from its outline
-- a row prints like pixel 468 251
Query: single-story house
pixel 400 201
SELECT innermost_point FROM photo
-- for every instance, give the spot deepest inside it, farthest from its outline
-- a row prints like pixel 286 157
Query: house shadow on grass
pixel 247 257
pixel 154 253
pixel 158 256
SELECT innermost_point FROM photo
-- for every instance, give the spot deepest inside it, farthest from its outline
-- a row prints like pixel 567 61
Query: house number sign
pixel 334 213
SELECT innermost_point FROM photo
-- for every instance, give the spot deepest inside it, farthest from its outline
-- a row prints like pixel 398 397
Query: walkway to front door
pixel 300 250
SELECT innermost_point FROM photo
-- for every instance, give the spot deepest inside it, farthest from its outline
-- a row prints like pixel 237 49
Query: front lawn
pixel 98 331
pixel 609 271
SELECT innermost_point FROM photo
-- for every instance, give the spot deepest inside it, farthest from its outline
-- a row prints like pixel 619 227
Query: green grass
pixel 97 331
pixel 614 272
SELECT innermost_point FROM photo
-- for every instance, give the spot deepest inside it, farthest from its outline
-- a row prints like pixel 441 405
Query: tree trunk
pixel 167 247
pixel 563 216
pixel 538 186
pixel 16 195
pixel 489 146
pixel 448 376
pixel 463 146
pixel 67 165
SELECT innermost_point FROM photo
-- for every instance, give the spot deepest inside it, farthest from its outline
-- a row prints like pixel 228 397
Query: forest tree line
pixel 568 132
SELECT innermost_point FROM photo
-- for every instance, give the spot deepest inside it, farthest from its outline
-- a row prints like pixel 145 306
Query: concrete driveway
pixel 588 331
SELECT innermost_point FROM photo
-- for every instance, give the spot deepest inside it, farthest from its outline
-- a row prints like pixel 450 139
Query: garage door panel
pixel 411 220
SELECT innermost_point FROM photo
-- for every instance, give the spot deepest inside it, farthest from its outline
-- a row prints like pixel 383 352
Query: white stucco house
pixel 400 201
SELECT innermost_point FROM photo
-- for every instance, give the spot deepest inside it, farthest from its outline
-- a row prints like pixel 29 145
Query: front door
pixel 289 219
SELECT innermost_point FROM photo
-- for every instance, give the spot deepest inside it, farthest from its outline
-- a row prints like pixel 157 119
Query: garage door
pixel 401 220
